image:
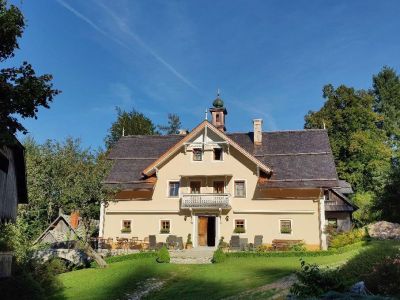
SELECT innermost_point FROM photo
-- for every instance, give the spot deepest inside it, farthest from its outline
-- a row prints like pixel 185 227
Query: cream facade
pixel 214 197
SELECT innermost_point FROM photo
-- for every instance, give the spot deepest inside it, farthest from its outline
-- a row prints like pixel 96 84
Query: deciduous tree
pixel 22 92
pixel 129 123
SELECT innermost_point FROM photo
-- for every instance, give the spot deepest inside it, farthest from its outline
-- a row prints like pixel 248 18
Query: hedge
pixel 297 253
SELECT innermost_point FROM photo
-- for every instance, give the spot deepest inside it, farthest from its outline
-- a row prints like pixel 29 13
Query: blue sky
pixel 269 58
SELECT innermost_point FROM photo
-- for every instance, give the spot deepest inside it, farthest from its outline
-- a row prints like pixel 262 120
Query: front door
pixel 202 230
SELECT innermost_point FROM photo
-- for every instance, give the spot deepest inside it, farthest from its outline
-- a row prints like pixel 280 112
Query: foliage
pixel 174 124
pixel 313 281
pixel 63 175
pixel 163 255
pixel 361 153
pixel 346 238
pixel 239 230
pixel 386 88
pixel 222 243
pixel 140 255
pixel 360 266
pixel 189 239
pixel 22 92
pixel 298 247
pixel 125 230
pixel 385 275
pixel 365 213
pixel 219 256
pixel 5 237
pixel 388 203
pixel 265 251
pixel 164 230
pixel 129 123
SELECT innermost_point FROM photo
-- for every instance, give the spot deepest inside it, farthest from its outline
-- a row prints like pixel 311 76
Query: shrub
pixel 239 230
pixel 313 281
pixel 385 277
pixel 346 238
pixel 362 265
pixel 57 266
pixel 222 244
pixel 189 239
pixel 163 255
pixel 298 247
pixel 218 256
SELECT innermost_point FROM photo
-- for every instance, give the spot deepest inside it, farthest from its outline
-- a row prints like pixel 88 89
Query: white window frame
pixel 222 154
pixel 214 180
pixel 202 154
pixel 245 188
pixel 291 227
pixel 170 226
pixel 122 225
pixel 168 189
pixel 245 225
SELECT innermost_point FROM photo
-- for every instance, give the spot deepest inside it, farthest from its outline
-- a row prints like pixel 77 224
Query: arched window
pixel 217 118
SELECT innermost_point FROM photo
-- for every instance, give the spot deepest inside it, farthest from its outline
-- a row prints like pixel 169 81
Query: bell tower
pixel 218 113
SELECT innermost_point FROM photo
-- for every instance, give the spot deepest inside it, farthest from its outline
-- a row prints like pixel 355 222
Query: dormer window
pixel 218 154
pixel 197 154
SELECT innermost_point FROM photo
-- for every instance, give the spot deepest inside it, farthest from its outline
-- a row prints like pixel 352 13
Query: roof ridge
pixel 281 131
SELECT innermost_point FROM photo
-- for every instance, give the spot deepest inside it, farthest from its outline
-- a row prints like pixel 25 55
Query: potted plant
pixel 189 244
pixel 239 230
pixel 164 230
pixel 125 230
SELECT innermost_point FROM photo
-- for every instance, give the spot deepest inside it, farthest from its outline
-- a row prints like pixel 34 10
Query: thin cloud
pixel 122 26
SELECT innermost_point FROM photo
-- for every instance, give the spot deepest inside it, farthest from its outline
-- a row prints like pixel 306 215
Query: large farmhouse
pixel 211 184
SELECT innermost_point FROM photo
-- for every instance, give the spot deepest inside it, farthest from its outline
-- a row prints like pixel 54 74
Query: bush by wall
pixel 346 238
pixel 218 256
pixel 314 282
pixel 163 255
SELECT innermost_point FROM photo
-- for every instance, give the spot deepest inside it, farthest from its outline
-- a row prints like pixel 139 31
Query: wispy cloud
pixel 256 112
pixel 123 27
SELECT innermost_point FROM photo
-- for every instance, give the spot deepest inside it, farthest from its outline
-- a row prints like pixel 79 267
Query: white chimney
pixel 257 129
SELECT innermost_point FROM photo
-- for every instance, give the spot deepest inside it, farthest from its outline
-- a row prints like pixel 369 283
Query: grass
pixel 214 281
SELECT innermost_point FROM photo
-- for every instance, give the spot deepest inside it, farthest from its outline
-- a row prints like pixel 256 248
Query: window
pixel 240 189
pixel 286 226
pixel 332 222
pixel 240 226
pixel 165 226
pixel 326 194
pixel 217 118
pixel 219 187
pixel 218 154
pixel 174 188
pixel 197 154
pixel 126 226
pixel 195 187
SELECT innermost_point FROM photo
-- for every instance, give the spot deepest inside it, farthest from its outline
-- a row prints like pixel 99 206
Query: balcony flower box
pixel 286 231
pixel 164 231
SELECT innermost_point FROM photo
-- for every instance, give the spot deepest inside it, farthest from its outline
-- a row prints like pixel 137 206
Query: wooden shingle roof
pixel 298 159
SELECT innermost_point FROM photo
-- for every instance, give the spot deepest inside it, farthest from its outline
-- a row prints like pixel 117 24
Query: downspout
pixel 324 244
pixel 101 225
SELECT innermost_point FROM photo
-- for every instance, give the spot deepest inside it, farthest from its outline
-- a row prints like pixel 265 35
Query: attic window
pixel 218 154
pixel 197 154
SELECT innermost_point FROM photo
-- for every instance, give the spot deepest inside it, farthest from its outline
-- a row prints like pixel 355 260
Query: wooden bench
pixel 282 245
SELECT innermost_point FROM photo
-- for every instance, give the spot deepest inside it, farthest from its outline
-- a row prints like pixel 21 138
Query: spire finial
pixel 218 92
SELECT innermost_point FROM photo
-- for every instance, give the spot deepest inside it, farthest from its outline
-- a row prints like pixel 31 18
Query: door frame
pixel 196 226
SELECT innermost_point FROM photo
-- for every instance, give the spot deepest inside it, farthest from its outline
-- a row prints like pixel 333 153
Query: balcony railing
pixel 205 201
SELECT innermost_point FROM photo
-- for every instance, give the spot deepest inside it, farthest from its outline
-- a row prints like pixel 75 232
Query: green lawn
pixel 212 281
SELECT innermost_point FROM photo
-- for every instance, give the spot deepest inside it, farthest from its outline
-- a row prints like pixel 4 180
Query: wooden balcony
pixel 206 201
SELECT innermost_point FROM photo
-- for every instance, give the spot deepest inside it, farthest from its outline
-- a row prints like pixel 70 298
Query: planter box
pixel 5 264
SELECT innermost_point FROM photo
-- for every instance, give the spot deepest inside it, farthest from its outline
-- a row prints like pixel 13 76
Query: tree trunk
pixel 93 254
